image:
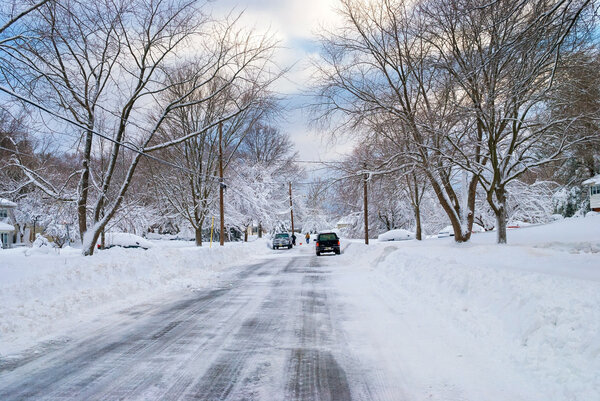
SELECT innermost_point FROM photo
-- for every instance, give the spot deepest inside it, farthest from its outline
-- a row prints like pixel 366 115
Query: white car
pixel 125 240
pixel 396 235
pixel 447 231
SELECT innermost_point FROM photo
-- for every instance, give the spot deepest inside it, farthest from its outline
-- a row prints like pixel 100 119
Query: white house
pixel 594 187
pixel 7 230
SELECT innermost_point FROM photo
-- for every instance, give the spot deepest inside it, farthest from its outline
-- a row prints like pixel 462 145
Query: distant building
pixel 594 190
pixel 7 230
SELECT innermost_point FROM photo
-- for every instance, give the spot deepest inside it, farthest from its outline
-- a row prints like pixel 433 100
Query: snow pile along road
pixel 481 321
pixel 42 291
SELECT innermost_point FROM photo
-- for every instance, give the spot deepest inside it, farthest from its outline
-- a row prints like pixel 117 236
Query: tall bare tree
pixel 504 56
pixel 190 193
pixel 379 65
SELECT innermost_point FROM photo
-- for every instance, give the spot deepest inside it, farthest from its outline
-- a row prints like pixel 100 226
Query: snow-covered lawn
pixel 43 292
pixel 479 321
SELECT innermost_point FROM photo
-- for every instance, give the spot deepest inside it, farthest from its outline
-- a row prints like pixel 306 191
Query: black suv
pixel 327 242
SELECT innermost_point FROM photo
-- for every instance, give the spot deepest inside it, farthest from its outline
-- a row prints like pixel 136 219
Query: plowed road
pixel 271 331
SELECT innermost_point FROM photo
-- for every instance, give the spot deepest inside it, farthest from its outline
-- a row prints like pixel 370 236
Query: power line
pixel 135 149
pixel 68 120
pixel 131 146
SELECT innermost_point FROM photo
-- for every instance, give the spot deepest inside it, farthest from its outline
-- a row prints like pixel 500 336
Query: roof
pixel 6 227
pixel 7 203
pixel 595 180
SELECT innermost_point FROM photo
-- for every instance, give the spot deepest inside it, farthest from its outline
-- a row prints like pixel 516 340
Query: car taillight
pixel 317 244
pixel 338 242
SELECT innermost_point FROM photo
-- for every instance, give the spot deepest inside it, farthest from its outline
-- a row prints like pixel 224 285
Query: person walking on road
pixel 307 236
pixel 293 239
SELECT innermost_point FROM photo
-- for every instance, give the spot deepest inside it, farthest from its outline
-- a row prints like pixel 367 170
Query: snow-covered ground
pixel 479 321
pixel 44 292
pixel 429 320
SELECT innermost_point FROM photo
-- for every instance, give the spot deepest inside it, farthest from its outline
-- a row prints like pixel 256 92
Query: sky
pixel 294 23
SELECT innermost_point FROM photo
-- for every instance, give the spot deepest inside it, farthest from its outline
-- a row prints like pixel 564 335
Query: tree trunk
pixel 471 203
pixel 246 234
pixel 416 205
pixel 501 215
pixel 451 211
pixel 89 241
pixel 418 222
pixel 259 230
pixel 84 184
pixel 199 236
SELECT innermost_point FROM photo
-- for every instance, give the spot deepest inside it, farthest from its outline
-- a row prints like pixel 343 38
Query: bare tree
pixel 379 66
pixel 190 193
pixel 576 98
pixel 504 55
pixel 267 145
pixel 271 152
pixel 12 12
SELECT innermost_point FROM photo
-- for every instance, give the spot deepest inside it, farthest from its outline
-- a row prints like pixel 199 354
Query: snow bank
pixel 525 315
pixel 46 289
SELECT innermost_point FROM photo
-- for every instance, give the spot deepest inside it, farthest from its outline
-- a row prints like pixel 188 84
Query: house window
pixel 4 237
pixel 3 213
pixel 595 190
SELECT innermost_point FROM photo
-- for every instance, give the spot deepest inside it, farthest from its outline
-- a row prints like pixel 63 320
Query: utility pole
pixel 366 208
pixel 221 185
pixel 291 208
pixel 35 217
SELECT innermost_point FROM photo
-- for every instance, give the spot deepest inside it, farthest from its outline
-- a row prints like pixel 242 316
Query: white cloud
pixel 291 18
pixel 295 24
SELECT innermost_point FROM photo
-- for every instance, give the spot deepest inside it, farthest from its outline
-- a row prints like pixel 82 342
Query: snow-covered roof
pixel 595 180
pixel 7 203
pixel 6 227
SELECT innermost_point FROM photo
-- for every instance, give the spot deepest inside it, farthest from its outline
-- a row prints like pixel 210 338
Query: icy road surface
pixel 271 331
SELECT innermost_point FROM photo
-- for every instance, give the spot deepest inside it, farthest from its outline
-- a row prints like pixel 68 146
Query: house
pixel 594 190
pixel 7 230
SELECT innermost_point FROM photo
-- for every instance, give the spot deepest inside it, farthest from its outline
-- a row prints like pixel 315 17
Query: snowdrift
pixel 42 291
pixel 527 313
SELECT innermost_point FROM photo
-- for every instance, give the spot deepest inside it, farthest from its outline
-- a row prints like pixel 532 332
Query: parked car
pixel 282 240
pixel 125 240
pixel 327 242
pixel 396 235
pixel 447 231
